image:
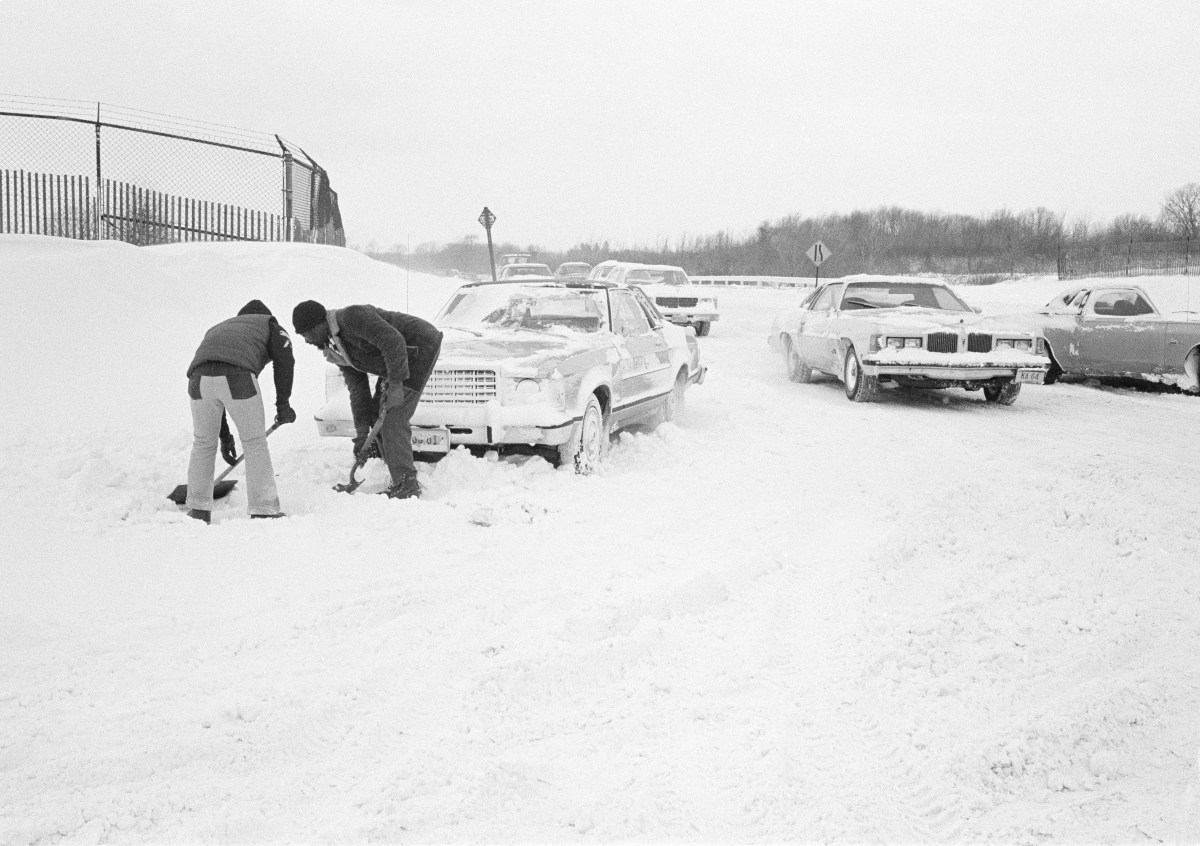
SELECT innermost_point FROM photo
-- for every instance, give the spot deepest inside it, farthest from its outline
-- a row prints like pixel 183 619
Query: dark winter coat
pixel 400 347
pixel 250 340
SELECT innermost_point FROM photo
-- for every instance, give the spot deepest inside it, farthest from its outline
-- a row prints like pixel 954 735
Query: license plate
pixel 1033 377
pixel 431 440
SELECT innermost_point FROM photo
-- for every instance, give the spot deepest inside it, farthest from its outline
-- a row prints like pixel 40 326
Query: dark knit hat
pixel 255 307
pixel 307 315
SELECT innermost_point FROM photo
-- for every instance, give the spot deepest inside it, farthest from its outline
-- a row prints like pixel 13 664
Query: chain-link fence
pixel 89 170
pixel 1135 258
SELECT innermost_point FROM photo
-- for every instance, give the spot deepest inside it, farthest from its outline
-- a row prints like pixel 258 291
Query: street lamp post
pixel 486 220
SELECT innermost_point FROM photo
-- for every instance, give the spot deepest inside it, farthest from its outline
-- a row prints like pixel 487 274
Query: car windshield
pixel 656 276
pixel 512 270
pixel 540 308
pixel 900 294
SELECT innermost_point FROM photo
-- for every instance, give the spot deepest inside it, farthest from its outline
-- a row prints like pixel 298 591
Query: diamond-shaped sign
pixel 818 253
pixel 487 218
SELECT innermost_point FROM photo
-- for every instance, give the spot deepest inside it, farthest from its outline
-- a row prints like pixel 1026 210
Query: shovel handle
pixel 229 469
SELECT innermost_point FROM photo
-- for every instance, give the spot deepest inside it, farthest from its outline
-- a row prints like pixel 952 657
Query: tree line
pixel 888 239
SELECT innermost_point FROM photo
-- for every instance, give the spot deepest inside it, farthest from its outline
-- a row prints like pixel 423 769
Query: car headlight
pixel 1041 346
pixel 523 390
pixel 708 303
pixel 1024 344
pixel 902 343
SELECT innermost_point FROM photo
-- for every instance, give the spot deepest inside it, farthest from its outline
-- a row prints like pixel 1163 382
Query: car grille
pixel 979 342
pixel 463 386
pixel 943 342
pixel 676 302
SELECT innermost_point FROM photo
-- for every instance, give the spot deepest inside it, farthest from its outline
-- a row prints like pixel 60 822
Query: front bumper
pixel 483 424
pixel 954 373
pixel 689 317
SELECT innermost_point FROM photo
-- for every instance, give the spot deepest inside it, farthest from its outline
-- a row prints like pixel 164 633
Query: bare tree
pixel 1181 210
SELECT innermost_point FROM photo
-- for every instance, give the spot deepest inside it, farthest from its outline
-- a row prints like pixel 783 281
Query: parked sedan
pixel 673 293
pixel 1110 329
pixel 872 330
pixel 573 270
pixel 523 269
pixel 546 365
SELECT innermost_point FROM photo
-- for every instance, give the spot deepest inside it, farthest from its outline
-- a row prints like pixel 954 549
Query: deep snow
pixel 789 617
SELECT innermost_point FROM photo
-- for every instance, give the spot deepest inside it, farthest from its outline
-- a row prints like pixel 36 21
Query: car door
pixel 643 372
pixel 1120 332
pixel 813 335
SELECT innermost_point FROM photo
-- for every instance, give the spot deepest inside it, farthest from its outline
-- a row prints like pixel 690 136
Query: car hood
pixel 522 352
pixel 920 320
pixel 674 290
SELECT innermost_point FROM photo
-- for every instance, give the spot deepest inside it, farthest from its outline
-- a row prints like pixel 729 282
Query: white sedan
pixel 546 365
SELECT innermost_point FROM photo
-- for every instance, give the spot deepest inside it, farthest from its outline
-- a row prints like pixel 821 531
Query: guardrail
pixel 755 281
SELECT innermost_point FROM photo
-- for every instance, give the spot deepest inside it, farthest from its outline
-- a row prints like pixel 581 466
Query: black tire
pixel 859 386
pixel 1055 372
pixel 1005 394
pixel 702 328
pixel 797 370
pixel 674 403
pixel 588 442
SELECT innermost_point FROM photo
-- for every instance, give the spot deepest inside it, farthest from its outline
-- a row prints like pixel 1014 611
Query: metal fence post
pixel 99 192
pixel 287 188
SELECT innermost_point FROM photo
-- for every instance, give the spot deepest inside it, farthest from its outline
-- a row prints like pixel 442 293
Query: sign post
pixel 486 219
pixel 818 254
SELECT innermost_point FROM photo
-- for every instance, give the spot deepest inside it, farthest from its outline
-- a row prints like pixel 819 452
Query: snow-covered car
pixel 543 364
pixel 528 268
pixel 573 270
pixel 674 295
pixel 916 333
pixel 1113 330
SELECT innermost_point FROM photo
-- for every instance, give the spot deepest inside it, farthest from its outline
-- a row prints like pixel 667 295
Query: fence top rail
pixel 123 117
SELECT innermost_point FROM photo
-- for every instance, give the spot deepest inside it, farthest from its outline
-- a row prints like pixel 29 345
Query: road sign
pixel 487 219
pixel 818 253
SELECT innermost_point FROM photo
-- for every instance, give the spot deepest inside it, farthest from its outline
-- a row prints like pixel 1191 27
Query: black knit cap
pixel 307 315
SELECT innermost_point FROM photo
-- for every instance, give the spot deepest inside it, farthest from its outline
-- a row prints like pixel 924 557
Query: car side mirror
pixel 977 309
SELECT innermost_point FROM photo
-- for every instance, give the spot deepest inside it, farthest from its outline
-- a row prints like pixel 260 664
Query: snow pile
pixel 788 617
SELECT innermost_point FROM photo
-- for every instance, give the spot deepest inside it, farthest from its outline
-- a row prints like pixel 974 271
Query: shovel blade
pixel 220 491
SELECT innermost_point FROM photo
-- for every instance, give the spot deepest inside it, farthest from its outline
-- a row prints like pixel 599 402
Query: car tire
pixel 1005 394
pixel 797 370
pixel 588 442
pixel 702 328
pixel 674 403
pixel 1055 372
pixel 859 386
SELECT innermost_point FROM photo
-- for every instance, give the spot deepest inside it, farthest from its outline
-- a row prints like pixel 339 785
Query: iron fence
pixel 1135 258
pixel 90 170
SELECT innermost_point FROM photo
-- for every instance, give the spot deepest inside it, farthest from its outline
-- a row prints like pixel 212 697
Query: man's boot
pixel 202 516
pixel 406 488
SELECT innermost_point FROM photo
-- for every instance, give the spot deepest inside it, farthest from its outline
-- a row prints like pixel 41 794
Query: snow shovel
pixel 360 457
pixel 221 488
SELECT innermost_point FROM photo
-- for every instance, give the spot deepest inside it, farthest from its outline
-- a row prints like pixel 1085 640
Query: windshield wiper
pixel 468 331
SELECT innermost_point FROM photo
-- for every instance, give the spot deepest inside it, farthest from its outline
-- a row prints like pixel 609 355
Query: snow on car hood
pixel 918 320
pixel 520 351
pixel 659 290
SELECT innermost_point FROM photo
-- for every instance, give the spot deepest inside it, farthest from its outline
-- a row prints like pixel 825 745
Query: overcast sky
pixel 639 122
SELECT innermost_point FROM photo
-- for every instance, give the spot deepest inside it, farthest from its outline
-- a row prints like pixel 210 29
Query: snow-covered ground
pixel 788 617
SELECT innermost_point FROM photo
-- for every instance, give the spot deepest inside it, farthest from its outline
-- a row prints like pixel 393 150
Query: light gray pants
pixel 239 395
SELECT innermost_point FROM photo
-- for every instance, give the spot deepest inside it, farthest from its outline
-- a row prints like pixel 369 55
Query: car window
pixel 864 295
pixel 652 313
pixel 628 318
pixel 824 301
pixel 1120 304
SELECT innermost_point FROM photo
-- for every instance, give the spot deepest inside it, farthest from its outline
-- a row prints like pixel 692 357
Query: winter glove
pixel 284 413
pixel 372 451
pixel 228 447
